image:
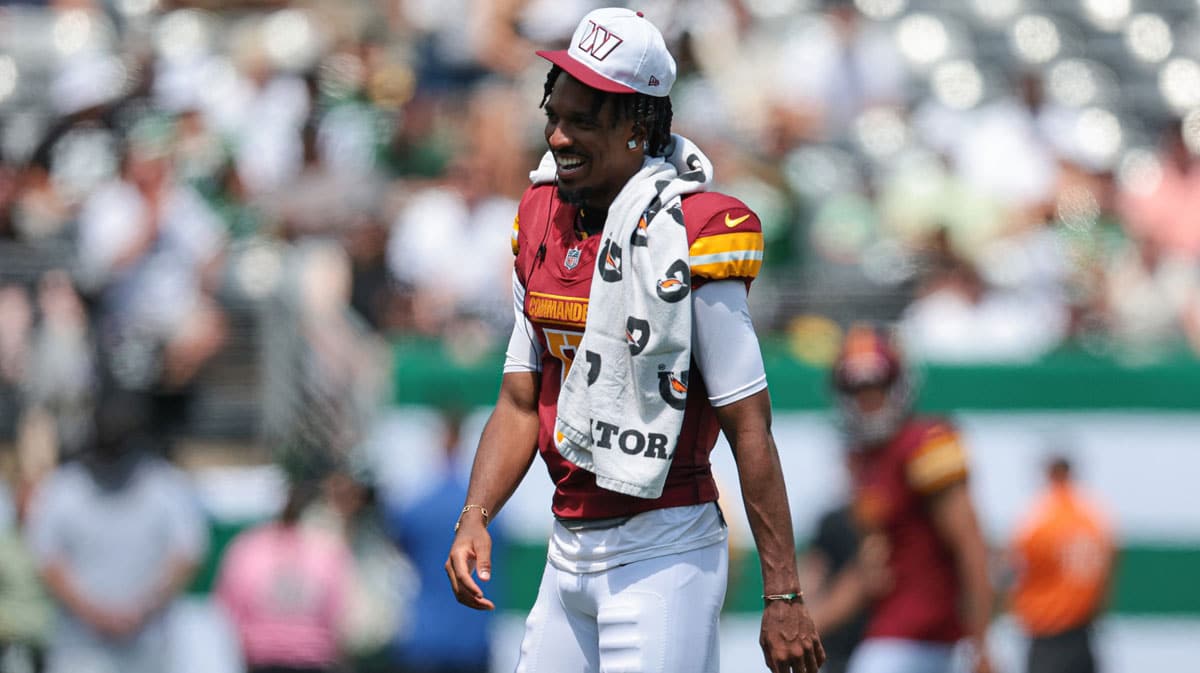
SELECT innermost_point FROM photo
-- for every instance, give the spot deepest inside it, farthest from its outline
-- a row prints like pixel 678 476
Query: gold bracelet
pixel 794 596
pixel 482 510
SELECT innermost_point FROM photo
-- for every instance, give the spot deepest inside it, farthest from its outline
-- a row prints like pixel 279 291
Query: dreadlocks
pixel 651 115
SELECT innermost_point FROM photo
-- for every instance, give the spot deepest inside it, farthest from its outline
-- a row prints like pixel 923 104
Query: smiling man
pixel 633 348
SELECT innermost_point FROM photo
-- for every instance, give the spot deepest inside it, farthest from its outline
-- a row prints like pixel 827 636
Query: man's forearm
pixel 506 447
pixel 765 495
pixel 977 591
pixel 747 425
pixel 954 517
pixel 501 462
pixel 841 601
pixel 60 585
pixel 180 571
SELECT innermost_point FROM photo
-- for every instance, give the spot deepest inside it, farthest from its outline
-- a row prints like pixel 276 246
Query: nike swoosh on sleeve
pixel 733 223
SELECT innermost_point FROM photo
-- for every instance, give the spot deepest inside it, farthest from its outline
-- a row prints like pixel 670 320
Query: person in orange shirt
pixel 1064 559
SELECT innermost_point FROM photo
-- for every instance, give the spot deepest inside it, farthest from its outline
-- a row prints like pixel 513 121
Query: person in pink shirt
pixel 284 587
pixel 1162 208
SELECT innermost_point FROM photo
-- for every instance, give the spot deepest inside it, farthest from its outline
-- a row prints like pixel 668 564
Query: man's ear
pixel 637 136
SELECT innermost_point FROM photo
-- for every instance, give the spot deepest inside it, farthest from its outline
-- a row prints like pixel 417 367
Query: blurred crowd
pixel 182 181
pixel 999 177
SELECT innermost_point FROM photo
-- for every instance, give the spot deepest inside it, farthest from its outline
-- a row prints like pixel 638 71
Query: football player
pixel 632 583
pixel 909 476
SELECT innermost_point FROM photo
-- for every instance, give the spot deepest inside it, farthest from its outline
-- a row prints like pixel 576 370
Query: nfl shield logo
pixel 572 259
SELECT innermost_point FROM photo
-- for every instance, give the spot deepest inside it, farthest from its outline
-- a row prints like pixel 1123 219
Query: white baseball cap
pixel 620 51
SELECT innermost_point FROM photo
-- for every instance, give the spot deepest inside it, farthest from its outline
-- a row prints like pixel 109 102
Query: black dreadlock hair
pixel 651 115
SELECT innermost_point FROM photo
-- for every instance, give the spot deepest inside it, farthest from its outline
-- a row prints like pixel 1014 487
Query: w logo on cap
pixel 598 41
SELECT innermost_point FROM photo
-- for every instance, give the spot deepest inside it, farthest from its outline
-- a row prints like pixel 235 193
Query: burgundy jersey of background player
pixel 891 487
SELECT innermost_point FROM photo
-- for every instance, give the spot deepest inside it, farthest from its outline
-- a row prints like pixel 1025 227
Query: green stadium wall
pixel 1133 430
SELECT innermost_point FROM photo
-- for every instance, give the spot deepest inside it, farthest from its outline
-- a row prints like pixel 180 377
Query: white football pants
pixel 653 616
pixel 896 655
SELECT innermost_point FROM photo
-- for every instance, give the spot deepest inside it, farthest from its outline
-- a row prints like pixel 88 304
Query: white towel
pixel 621 406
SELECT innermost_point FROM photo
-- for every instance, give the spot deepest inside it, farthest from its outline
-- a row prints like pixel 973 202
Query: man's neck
pixel 591 220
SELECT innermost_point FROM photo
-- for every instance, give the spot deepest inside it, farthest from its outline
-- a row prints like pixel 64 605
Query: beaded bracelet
pixel 795 596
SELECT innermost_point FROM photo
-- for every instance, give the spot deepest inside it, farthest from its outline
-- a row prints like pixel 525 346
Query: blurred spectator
pixel 1005 149
pixel 446 57
pixel 443 637
pixel 264 111
pixel 38 210
pixel 45 376
pixel 149 247
pixel 8 196
pixel 1160 206
pixel 57 389
pixel 958 318
pixel 16 323
pixel 285 588
pixel 470 236
pixel 321 199
pixel 373 291
pixel 473 206
pixel 922 197
pixel 26 613
pixel 1063 553
pixel 383 580
pixel 418 147
pixel 60 380
pixel 117 536
pixel 80 150
pixel 850 65
pixel 339 371
pixel 324 371
pixel 509 31
pixel 1152 298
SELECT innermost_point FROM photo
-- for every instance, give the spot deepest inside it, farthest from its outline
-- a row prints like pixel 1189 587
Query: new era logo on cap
pixel 620 51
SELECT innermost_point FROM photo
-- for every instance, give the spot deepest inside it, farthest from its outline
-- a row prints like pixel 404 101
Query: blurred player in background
pixel 909 474
pixel 637 565
pixel 1063 554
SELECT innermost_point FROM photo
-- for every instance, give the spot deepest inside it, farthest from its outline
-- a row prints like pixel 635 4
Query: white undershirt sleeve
pixel 524 351
pixel 724 343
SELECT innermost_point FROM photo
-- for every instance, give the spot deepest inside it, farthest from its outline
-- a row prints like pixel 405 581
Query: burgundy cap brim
pixel 581 72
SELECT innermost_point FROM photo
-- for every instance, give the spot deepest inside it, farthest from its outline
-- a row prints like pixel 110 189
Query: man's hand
pixel 789 639
pixel 113 624
pixel 980 661
pixel 872 564
pixel 506 449
pixel 471 552
pixel 983 664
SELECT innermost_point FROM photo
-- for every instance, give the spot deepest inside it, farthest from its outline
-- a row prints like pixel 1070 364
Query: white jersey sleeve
pixel 524 350
pixel 724 344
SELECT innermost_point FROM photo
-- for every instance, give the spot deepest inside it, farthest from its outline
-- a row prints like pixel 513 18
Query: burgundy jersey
pixel 555 265
pixel 892 487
